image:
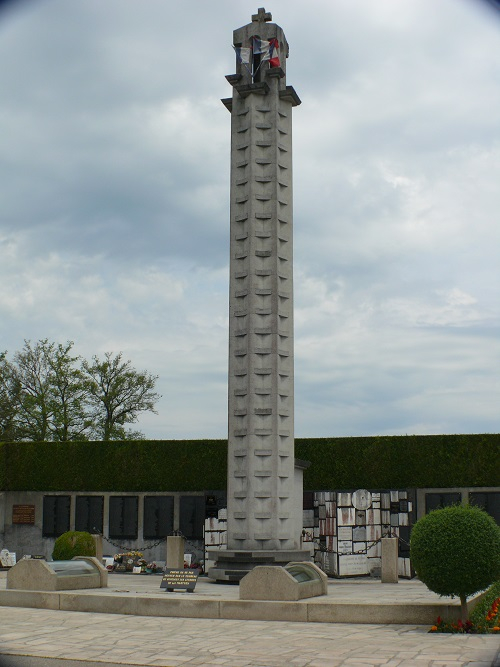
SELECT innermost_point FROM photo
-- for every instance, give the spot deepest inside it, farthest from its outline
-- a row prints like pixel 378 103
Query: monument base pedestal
pixel 232 566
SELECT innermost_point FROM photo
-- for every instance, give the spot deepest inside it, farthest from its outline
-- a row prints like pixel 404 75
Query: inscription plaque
pixel 185 579
pixel 344 546
pixel 345 533
pixel 353 565
pixel 359 534
pixel 23 514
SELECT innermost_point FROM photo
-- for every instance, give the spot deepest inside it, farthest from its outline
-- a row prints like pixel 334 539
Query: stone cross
pixel 262 16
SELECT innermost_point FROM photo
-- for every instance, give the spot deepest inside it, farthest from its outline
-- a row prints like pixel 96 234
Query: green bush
pixel 456 551
pixel 73 543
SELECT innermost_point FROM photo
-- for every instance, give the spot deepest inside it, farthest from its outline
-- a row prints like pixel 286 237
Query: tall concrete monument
pixel 264 480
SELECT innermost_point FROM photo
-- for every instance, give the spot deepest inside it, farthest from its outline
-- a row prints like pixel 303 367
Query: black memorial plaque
pixel 395 507
pixel 184 579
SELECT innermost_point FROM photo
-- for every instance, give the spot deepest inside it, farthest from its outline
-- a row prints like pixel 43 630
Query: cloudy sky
pixel 114 203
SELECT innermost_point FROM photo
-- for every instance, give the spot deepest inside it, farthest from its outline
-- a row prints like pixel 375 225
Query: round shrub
pixel 456 551
pixel 73 543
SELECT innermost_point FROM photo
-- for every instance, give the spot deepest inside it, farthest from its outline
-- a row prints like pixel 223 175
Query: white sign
pixel 344 546
pixel 346 516
pixel 345 533
pixel 7 558
pixel 353 565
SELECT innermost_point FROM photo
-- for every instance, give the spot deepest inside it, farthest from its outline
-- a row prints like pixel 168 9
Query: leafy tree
pixel 68 399
pixel 9 399
pixel 49 394
pixel 117 393
pixel 32 373
pixel 456 551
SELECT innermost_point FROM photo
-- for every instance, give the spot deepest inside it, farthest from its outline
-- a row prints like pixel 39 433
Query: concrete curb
pixel 323 610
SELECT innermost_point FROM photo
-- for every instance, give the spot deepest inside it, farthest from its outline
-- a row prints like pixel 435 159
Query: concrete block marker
pixel 40 575
pixel 295 581
pixel 389 561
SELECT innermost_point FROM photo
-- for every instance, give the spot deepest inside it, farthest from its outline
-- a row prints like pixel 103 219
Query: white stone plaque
pixel 346 516
pixel 329 527
pixel 353 565
pixel 345 533
pixel 404 567
pixel 330 509
pixel 344 546
pixel 344 499
pixel 373 516
pixel 7 558
pixel 359 546
pixel 373 533
pixel 361 499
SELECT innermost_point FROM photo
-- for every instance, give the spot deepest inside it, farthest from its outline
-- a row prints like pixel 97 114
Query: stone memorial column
pixel 264 480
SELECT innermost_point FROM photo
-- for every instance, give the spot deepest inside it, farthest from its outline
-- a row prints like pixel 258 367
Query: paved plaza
pixel 71 638
pixel 176 642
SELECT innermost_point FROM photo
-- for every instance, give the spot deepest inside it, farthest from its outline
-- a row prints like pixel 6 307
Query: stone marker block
pixel 294 582
pixel 38 575
pixel 98 547
pixel 389 560
pixel 175 552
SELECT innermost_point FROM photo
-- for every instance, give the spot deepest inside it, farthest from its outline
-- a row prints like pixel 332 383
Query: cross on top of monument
pixel 262 16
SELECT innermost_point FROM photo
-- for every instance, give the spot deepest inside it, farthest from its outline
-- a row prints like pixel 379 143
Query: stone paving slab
pixel 96 639
pixel 103 639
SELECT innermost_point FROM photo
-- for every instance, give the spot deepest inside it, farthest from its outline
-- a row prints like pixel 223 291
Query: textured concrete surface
pixel 178 642
pixel 58 638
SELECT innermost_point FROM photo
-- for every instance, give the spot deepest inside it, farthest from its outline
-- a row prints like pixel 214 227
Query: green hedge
pixel 197 465
pixel 401 461
pixel 176 465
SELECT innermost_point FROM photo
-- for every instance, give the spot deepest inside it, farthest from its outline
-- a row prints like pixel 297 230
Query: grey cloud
pixel 114 182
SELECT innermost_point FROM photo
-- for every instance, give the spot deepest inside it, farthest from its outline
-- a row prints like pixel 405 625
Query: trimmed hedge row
pixel 409 461
pixel 198 465
pixel 176 465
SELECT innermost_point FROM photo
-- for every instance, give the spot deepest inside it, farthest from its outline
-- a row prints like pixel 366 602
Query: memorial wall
pixel 342 529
